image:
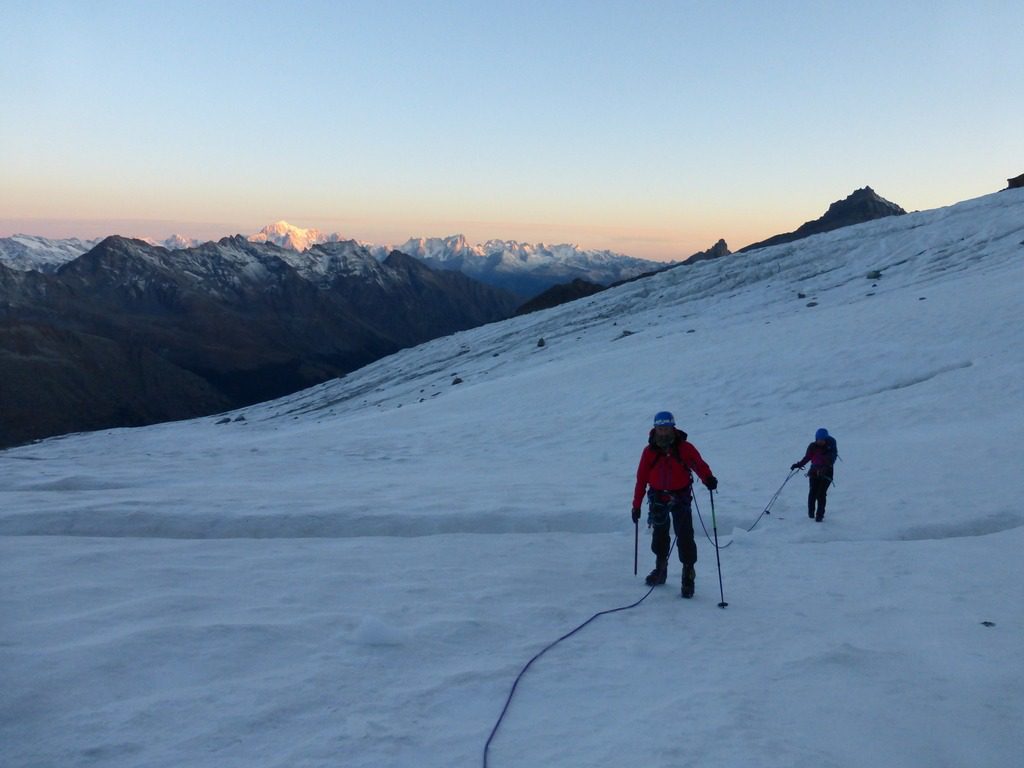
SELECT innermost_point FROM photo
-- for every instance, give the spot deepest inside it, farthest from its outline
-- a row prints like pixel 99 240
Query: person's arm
pixel 643 474
pixel 693 460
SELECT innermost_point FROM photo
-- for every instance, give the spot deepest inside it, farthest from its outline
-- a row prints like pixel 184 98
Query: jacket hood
pixel 679 435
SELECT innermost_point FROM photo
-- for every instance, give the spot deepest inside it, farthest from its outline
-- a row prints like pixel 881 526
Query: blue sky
pixel 649 128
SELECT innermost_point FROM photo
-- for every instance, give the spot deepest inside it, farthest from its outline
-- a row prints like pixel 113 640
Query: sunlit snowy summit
pixel 287 235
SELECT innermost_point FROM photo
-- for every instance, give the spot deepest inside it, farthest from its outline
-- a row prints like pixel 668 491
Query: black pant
pixel 819 483
pixel 675 505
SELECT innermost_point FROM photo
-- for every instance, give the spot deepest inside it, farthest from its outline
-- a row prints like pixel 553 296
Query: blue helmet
pixel 821 434
pixel 664 419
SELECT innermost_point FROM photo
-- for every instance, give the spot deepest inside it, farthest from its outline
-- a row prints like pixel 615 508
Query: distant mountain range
pixel 523 269
pixel 121 332
pixel 131 333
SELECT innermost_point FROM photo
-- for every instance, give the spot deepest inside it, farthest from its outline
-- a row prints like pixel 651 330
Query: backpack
pixel 833 449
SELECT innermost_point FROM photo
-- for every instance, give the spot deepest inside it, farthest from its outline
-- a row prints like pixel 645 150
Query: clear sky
pixel 650 128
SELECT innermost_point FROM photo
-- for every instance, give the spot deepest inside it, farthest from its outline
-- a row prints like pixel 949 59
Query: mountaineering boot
pixel 689 574
pixel 659 574
pixel 819 517
pixel 810 512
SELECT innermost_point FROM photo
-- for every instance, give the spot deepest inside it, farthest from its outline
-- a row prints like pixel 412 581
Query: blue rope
pixel 766 510
pixel 567 635
pixel 522 672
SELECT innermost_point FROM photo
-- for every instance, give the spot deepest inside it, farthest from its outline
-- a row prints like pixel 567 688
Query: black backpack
pixel 833 449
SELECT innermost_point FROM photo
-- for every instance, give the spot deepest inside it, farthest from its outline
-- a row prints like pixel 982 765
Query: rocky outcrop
pixel 861 206
pixel 1016 182
pixel 717 251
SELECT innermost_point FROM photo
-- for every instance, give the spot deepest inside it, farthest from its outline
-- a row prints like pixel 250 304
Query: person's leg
pixel 682 520
pixel 661 541
pixel 823 484
pixel 812 495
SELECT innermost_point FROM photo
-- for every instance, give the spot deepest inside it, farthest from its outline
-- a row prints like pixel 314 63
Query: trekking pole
pixel 714 527
pixel 636 543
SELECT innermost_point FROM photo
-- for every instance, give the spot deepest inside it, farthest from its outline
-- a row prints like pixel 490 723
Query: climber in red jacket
pixel 665 474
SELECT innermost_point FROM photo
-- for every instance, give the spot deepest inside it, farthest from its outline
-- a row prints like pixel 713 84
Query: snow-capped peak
pixel 296 238
pixel 440 248
pixel 174 242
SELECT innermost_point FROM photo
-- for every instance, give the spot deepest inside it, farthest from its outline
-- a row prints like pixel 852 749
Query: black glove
pixel 796 466
pixel 711 483
pixel 636 514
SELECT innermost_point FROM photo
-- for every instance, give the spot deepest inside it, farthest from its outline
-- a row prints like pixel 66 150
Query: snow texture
pixel 354 575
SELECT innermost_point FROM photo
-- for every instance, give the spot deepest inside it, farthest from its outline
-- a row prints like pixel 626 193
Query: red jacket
pixel 668 470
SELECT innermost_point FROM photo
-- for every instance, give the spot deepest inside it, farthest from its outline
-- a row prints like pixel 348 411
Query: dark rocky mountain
pixel 1016 182
pixel 863 205
pixel 717 251
pixel 560 294
pixel 130 334
pixel 417 296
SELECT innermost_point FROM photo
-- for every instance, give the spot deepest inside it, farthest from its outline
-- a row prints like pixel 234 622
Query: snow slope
pixel 41 254
pixel 26 253
pixel 355 575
